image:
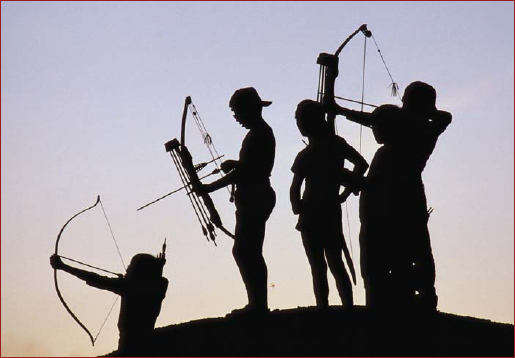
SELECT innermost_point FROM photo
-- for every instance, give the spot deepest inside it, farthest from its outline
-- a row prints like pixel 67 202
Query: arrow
pixel 216 171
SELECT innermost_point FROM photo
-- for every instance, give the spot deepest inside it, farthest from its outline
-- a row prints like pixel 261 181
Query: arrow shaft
pixel 88 265
pixel 354 101
pixel 175 191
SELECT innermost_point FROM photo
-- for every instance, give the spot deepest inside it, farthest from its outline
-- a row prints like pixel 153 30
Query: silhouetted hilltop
pixel 335 332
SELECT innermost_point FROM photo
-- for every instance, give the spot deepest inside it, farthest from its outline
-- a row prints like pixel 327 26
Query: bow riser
pixel 186 161
pixel 328 74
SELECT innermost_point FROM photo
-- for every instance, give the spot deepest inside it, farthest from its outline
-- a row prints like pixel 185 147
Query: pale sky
pixel 91 91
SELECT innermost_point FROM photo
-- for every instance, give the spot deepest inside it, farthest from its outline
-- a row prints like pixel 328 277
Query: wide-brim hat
pixel 247 96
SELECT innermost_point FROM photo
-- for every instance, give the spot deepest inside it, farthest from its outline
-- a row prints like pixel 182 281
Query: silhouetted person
pixel 321 166
pixel 142 289
pixel 254 196
pixel 396 259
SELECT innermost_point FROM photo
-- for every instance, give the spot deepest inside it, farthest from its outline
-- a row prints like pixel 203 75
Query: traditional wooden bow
pixel 56 284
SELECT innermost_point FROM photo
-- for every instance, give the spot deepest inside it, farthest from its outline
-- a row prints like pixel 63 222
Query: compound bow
pixel 202 204
pixel 328 73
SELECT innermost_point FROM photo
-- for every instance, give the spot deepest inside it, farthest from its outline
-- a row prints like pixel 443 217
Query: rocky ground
pixel 335 332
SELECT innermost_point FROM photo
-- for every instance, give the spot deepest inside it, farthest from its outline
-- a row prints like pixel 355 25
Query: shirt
pixel 321 165
pixel 257 156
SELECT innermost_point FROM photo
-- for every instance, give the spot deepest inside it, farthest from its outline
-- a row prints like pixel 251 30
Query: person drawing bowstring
pixel 142 290
pixel 397 263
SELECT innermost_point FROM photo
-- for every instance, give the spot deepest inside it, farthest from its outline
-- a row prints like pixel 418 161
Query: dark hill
pixel 336 332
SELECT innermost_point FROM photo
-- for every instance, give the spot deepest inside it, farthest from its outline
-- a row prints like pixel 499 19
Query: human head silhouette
pixel 419 99
pixel 247 106
pixel 310 116
pixel 145 266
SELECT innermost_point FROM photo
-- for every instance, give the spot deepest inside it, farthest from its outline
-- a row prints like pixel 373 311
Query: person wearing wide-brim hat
pixel 254 196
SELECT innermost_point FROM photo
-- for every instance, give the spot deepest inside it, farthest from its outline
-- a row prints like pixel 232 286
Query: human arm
pixel 344 195
pixel 229 165
pixel 363 118
pixel 352 180
pixel 441 120
pixel 254 153
pixel 360 167
pixel 230 168
pixel 164 287
pixel 360 164
pixel 295 193
pixel 92 279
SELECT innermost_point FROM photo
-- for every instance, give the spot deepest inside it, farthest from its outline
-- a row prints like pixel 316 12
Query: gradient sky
pixel 92 90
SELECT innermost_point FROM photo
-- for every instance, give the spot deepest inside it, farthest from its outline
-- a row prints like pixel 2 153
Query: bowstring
pixel 107 317
pixel 112 235
pixel 360 138
pixel 206 137
pixel 363 89
pixel 124 267
pixel 394 92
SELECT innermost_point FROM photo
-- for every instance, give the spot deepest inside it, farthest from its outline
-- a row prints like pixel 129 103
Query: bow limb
pixel 70 311
pixel 187 102
pixel 363 28
pixel 328 74
pixel 61 298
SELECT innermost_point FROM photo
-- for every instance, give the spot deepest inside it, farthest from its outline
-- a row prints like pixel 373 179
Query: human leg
pixel 424 276
pixel 333 254
pixel 248 254
pixel 253 211
pixel 315 254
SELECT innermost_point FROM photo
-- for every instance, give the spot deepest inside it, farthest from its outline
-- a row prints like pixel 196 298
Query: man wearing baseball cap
pixel 254 196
